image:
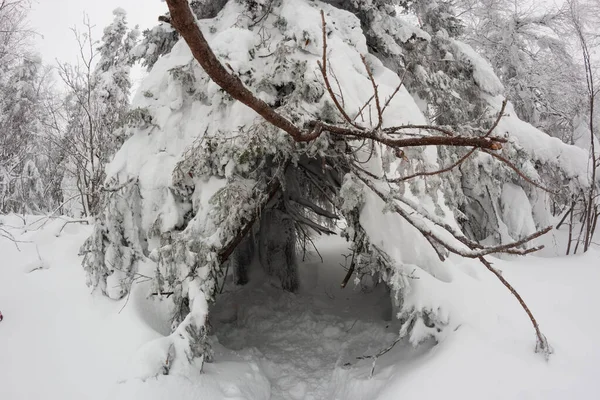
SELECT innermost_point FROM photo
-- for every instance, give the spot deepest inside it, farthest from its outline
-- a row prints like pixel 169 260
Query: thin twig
pixel 359 113
pixel 382 352
pixel 440 171
pixel 388 101
pixel 375 93
pixel 521 174
pixel 542 343
pixel 323 68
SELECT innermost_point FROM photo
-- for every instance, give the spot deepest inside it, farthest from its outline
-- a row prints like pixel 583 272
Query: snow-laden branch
pixel 185 23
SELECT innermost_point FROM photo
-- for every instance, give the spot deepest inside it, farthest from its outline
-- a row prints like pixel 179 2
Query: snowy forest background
pixel 432 136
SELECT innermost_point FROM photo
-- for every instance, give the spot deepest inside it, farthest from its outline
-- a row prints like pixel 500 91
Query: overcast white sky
pixel 53 19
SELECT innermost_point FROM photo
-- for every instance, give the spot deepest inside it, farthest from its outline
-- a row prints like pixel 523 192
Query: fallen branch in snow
pixel 375 357
pixel 39 266
pixel 351 327
pixel 542 345
pixel 9 236
pixel 472 250
pixel 49 216
pixel 75 221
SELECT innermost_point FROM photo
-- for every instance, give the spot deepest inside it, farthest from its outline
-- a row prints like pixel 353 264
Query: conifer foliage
pixel 21 189
pixel 251 134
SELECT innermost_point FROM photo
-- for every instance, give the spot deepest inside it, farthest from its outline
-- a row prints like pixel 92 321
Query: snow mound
pixel 301 346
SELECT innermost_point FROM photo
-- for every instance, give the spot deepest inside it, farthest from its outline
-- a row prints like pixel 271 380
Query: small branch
pixel 77 221
pixel 440 171
pixel 323 68
pixel 7 235
pixel 521 174
pixel 315 208
pixel 359 113
pixel 309 223
pixel 570 211
pixel 376 356
pixel 395 129
pixel 224 278
pixel 375 93
pixel 350 271
pixel 308 238
pixel 542 345
pixel 354 323
pixel 497 121
pixel 168 294
pixel 388 101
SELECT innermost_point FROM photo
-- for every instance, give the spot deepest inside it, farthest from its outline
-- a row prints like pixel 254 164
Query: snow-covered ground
pixel 59 341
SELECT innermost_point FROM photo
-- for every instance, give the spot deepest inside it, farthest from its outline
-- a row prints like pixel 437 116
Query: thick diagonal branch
pixel 184 21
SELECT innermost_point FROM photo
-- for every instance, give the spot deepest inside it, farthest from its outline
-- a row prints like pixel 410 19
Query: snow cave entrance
pixel 283 293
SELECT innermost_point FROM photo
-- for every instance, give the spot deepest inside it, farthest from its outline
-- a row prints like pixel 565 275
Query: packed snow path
pixel 300 339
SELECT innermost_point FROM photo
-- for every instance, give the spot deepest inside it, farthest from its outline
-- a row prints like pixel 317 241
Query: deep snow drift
pixel 59 341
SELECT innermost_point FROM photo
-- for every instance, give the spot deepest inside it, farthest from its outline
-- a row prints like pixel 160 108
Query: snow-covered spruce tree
pixel 97 107
pixel 14 33
pixel 114 248
pixel 21 189
pixel 450 82
pixel 529 47
pixel 113 73
pixel 457 87
pixel 286 103
pixel 159 40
